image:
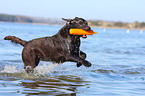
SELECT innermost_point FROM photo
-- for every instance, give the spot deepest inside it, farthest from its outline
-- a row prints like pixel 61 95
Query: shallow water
pixel 117 57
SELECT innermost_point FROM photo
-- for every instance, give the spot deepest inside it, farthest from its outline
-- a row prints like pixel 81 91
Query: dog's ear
pixel 69 21
pixel 66 19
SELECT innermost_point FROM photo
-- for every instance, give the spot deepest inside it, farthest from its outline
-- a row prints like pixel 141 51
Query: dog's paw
pixel 86 63
pixel 79 64
pixel 29 69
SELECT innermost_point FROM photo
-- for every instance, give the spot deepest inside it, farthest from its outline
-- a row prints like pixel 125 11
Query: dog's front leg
pixel 79 60
pixel 82 55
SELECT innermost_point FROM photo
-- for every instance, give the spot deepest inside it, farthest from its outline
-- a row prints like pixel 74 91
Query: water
pixel 117 57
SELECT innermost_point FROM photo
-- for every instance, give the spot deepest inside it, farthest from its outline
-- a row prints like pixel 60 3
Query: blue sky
pixel 110 10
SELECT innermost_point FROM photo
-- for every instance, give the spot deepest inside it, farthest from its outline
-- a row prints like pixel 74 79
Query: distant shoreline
pixel 30 23
pixel 118 28
pixel 63 24
pixel 94 23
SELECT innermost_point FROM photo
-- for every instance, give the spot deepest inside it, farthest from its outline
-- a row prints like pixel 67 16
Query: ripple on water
pixel 43 81
pixel 103 71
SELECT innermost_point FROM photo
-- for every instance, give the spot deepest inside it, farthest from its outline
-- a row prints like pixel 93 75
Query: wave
pixel 43 71
pixel 40 71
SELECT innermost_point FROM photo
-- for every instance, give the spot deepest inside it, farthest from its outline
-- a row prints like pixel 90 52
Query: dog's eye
pixel 72 21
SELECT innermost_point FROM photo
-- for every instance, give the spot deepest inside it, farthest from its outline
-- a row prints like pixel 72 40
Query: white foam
pixel 39 70
pixel 9 69
pixel 45 68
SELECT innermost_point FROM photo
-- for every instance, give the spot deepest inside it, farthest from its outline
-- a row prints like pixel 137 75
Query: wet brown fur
pixel 58 48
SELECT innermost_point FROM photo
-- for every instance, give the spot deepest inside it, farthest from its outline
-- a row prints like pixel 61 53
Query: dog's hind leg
pixel 30 59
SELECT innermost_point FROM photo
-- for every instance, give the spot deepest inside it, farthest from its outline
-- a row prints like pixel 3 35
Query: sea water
pixel 117 57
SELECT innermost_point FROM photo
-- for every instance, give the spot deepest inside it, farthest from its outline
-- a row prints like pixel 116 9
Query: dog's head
pixel 78 23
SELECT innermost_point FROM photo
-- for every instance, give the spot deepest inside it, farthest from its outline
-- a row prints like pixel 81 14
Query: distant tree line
pixel 135 25
pixel 13 18
pixel 139 25
pixel 27 19
pixel 97 23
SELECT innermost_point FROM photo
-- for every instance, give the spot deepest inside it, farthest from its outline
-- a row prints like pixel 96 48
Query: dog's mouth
pixel 86 29
pixel 76 32
pixel 84 36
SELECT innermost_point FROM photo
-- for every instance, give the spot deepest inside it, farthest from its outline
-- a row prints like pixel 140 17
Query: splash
pixel 9 69
pixel 44 69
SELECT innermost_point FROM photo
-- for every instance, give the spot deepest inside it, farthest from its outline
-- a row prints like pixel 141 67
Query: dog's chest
pixel 75 46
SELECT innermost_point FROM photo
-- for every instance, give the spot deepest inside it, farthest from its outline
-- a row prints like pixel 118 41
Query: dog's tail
pixel 15 40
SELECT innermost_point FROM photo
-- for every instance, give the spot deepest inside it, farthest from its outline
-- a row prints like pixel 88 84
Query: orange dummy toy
pixel 81 32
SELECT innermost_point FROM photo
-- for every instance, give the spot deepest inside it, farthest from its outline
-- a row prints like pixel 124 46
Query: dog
pixel 58 48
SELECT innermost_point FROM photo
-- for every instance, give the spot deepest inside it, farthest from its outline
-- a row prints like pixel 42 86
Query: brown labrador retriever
pixel 58 48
